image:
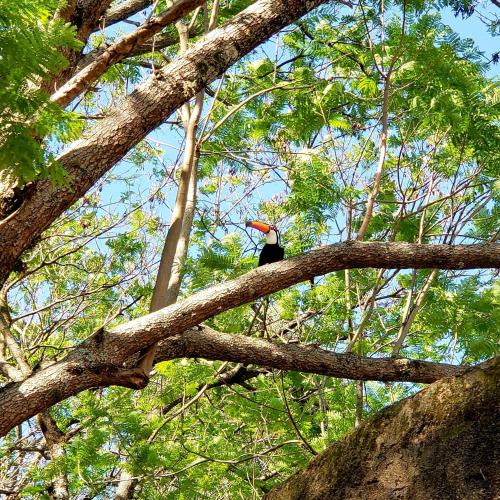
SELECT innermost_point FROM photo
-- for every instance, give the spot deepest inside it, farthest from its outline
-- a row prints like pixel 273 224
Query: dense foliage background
pixel 382 100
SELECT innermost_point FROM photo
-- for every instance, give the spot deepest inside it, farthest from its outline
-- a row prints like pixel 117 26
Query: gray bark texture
pixel 441 444
pixel 101 359
pixel 123 10
pixel 203 342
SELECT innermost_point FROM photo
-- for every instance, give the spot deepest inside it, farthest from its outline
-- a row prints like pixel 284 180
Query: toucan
pixel 272 252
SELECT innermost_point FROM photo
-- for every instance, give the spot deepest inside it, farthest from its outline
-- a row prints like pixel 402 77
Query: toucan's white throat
pixel 272 237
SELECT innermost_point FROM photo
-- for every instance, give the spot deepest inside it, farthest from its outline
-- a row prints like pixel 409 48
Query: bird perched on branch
pixel 272 252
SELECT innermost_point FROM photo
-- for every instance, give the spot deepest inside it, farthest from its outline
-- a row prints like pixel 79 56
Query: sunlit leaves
pixel 30 44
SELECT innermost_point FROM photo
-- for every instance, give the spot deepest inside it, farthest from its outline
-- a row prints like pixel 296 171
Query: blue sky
pixel 473 28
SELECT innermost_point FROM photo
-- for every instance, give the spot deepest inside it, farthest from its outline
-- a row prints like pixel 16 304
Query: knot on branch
pixel 404 364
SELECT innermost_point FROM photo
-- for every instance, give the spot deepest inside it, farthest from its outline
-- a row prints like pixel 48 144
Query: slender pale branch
pixel 411 313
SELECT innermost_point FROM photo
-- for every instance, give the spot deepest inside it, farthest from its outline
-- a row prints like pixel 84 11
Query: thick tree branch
pixel 121 49
pixel 85 16
pixel 209 344
pixel 120 12
pixel 141 112
pixel 127 339
pixel 99 360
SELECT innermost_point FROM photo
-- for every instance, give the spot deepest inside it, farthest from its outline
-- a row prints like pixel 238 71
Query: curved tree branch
pixel 204 342
pixel 160 41
pixel 100 360
pixel 120 12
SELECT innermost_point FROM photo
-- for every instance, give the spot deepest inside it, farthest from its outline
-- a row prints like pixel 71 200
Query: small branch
pixel 242 104
pixel 292 420
pixel 384 134
pixel 408 321
pixel 6 338
pixel 119 50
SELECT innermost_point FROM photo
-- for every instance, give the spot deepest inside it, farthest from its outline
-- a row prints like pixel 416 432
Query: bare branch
pixel 209 344
pixel 119 50
pixel 120 12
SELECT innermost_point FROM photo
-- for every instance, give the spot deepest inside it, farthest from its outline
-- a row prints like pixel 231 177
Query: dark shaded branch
pixel 210 344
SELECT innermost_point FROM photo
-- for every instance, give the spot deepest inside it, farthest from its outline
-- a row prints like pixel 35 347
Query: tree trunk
pixel 159 298
pixel 442 443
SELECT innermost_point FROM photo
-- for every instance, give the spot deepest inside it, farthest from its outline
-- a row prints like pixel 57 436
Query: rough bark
pixel 85 15
pixel 120 12
pixel 442 443
pixel 121 49
pixel 210 344
pixel 99 360
pixel 141 112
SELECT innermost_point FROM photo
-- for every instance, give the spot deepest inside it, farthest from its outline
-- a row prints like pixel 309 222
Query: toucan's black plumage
pixel 272 252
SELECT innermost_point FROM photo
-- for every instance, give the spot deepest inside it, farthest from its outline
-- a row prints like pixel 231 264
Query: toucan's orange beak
pixel 265 228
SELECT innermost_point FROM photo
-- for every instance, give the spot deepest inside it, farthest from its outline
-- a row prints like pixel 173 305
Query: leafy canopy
pixel 31 53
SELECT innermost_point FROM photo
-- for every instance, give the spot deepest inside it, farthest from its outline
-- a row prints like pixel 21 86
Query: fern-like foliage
pixel 30 52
